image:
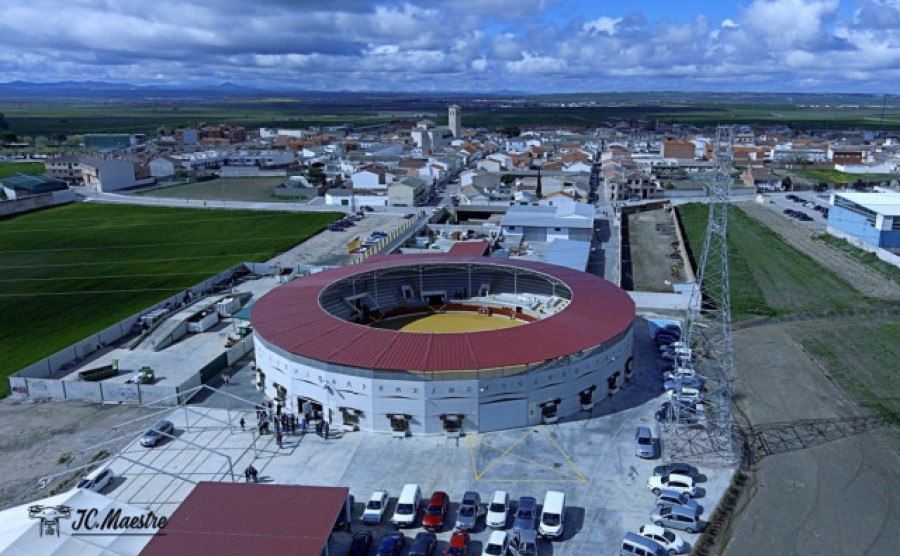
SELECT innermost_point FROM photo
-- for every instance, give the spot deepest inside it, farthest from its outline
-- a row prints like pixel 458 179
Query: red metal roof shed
pixel 239 518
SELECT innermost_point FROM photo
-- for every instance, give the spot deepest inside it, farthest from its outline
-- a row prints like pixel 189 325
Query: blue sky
pixel 460 45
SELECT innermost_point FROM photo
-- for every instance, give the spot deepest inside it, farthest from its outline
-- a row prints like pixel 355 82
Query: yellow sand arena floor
pixel 453 322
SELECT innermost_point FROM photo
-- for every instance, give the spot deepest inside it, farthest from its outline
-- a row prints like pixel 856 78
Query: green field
pixel 769 277
pixel 855 338
pixel 835 176
pixel 8 168
pixel 71 271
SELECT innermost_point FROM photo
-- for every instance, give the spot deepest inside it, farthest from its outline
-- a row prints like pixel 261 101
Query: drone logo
pixel 49 516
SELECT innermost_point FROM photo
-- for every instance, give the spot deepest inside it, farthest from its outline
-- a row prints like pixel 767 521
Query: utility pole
pixel 708 331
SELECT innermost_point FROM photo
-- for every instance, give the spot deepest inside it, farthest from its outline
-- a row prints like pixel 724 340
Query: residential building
pixel 162 167
pixel 680 148
pixel 66 167
pixel 573 221
pixel 761 179
pixel 113 174
pixel 407 192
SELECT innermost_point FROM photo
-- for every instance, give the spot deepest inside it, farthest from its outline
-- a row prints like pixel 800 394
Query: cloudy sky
pixel 460 45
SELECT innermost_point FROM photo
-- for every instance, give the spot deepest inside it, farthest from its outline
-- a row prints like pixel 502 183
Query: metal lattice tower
pixel 703 432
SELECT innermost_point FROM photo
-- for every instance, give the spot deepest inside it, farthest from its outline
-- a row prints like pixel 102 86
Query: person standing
pixel 242 423
pixel 325 430
pixel 303 425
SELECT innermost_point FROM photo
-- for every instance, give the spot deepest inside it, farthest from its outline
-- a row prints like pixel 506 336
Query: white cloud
pixel 602 24
pixel 466 44
pixel 532 63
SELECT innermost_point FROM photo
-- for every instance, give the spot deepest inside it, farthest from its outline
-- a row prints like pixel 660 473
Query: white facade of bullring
pixel 488 401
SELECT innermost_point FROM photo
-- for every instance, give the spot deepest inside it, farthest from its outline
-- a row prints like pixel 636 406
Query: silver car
pixel 470 509
pixel 645 445
pixel 677 517
pixel 158 432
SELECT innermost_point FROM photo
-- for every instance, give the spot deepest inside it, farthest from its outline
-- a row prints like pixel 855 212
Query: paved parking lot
pixel 779 203
pixel 592 460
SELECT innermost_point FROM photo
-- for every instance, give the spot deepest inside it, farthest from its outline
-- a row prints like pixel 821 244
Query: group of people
pixel 281 424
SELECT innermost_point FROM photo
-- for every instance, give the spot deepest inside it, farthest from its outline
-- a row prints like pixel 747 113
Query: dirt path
pixel 867 281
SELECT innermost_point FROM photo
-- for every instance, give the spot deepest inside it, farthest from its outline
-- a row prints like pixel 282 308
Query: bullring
pixel 324 341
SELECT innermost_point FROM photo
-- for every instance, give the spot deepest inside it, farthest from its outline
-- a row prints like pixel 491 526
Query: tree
pixel 511 131
pixel 3 123
pixel 787 184
pixel 539 190
pixel 316 175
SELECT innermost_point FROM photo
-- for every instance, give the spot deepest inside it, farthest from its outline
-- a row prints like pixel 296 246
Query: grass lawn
pixel 862 355
pixel 835 176
pixel 768 276
pixel 71 271
pixel 8 168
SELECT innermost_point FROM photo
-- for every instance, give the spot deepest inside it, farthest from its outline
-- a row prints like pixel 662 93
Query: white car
pixel 673 481
pixel 681 372
pixel 685 394
pixel 497 544
pixel 98 480
pixel 498 510
pixel 375 507
pixel 667 539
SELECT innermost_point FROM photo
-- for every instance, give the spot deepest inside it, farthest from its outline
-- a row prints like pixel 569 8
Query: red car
pixel 459 544
pixel 436 511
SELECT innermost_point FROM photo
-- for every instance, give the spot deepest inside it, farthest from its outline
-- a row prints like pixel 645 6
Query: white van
pixel 636 545
pixel 553 515
pixel 407 509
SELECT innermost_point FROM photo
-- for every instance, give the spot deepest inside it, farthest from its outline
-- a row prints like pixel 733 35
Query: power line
pixel 130 261
pixel 144 245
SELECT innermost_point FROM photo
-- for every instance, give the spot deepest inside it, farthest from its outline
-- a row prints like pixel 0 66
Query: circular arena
pixel 426 344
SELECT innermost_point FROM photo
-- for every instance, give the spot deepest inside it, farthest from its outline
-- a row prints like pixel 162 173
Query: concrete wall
pixel 25 204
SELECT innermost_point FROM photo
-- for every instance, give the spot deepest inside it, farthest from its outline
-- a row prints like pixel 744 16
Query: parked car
pixel 470 509
pixel 681 372
pixel 407 508
pixel 677 517
pixel 375 507
pixel 524 543
pixel 156 433
pixel 346 514
pixel 677 468
pixel 436 511
pixel 423 545
pixel 685 393
pixel 687 416
pixel 98 480
pixel 526 514
pixel 645 446
pixel 681 382
pixel 668 497
pixel 674 481
pixel 367 208
pixel 667 539
pixel 498 509
pixel 360 544
pixel 391 544
pixel 497 544
pixel 459 544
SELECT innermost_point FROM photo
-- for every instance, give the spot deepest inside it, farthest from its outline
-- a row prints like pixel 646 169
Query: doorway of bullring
pixel 312 410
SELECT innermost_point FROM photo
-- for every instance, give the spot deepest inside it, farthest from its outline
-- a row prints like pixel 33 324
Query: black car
pixel 423 545
pixel 360 544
